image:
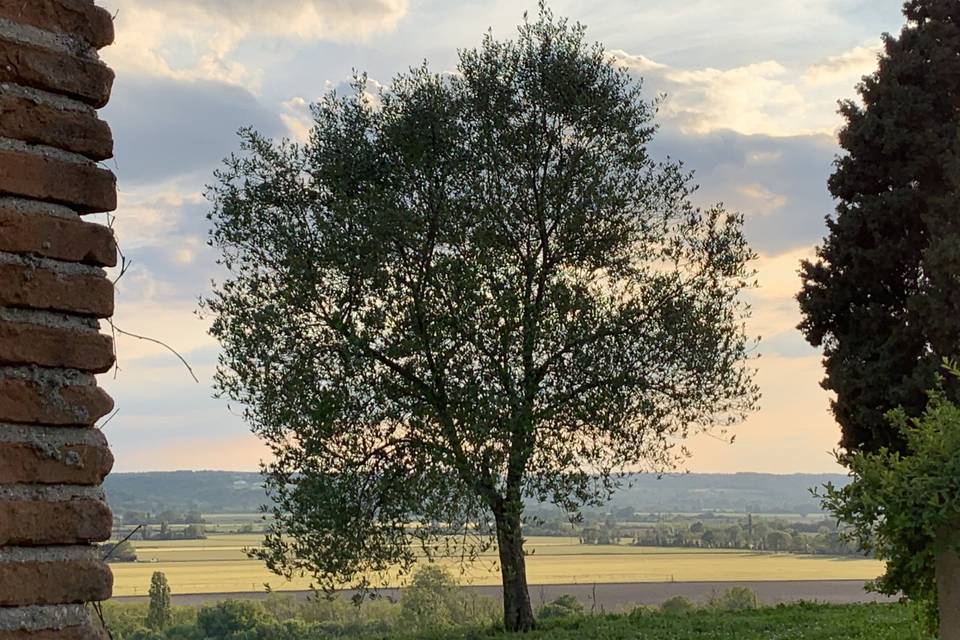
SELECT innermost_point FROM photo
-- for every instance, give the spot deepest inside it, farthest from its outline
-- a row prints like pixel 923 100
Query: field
pixel 219 565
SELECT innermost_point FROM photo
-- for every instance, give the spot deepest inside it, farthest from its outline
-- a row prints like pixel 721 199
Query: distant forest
pixel 242 492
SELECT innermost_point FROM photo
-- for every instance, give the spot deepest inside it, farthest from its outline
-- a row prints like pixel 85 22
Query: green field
pixel 218 564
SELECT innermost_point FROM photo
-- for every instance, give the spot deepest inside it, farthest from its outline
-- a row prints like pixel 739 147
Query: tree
pixel 471 289
pixel 709 538
pixel 158 615
pixel 760 530
pixel 230 618
pixel 432 600
pixel 904 508
pixel 194 532
pixel 882 296
pixel 123 551
pixel 777 540
pixel 735 535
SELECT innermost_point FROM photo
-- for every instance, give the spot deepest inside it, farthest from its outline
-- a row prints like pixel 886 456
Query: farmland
pixel 218 564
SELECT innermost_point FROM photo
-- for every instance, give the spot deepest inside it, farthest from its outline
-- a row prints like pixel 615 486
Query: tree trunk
pixel 517 609
pixel 948 594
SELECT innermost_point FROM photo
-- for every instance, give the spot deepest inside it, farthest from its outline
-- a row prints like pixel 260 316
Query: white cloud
pixel 758 200
pixel 197 39
pixel 756 98
pixel 846 68
pixel 305 19
pixel 764 97
pixel 298 119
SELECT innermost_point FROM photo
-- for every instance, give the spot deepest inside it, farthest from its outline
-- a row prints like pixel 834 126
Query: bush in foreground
pixel 565 606
pixel 734 599
pixel 676 605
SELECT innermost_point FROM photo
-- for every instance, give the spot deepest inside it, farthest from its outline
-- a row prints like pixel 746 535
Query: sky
pixel 751 92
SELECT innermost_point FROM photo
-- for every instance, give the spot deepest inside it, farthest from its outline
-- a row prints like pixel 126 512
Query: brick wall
pixel 53 290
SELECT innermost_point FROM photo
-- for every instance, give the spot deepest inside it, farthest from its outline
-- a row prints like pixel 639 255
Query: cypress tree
pixel 158 616
pixel 882 298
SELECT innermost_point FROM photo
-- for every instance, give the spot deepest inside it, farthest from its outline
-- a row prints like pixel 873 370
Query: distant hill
pixel 242 492
pixel 204 491
pixel 738 492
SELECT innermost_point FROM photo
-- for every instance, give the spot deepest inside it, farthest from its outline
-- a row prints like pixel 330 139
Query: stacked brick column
pixel 53 290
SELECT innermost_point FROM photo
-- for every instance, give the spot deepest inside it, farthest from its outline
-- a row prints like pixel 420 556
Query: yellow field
pixel 218 564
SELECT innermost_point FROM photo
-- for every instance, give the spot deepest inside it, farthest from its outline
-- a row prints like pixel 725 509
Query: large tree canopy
pixel 883 296
pixel 469 290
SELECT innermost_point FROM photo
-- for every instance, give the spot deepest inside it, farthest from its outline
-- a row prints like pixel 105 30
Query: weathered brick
pixel 56 237
pixel 60 72
pixel 86 632
pixel 31 402
pixel 77 130
pixel 85 186
pixel 52 346
pixel 54 461
pixel 39 522
pixel 79 18
pixel 34 287
pixel 63 582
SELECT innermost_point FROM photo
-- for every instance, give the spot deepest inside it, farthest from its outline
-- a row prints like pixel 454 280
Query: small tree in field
pixel 476 288
pixel 158 615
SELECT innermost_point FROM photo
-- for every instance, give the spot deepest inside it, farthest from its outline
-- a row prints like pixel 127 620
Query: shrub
pixel 230 618
pixel 434 601
pixel 119 552
pixel 283 606
pixel 734 599
pixel 676 605
pixel 430 600
pixel 563 607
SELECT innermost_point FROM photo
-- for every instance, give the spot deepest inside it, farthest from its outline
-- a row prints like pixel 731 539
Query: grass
pixel 803 621
pixel 785 622
pixel 219 565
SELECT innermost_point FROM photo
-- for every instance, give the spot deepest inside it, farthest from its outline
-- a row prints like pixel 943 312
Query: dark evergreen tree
pixel 883 296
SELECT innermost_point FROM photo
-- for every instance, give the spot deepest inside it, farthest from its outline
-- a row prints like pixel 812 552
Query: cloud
pixel 298 119
pixel 763 201
pixel 846 68
pixel 788 344
pixel 751 99
pixel 775 310
pixel 198 39
pixel 166 127
pixel 763 97
pixel 307 19
pixel 779 183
